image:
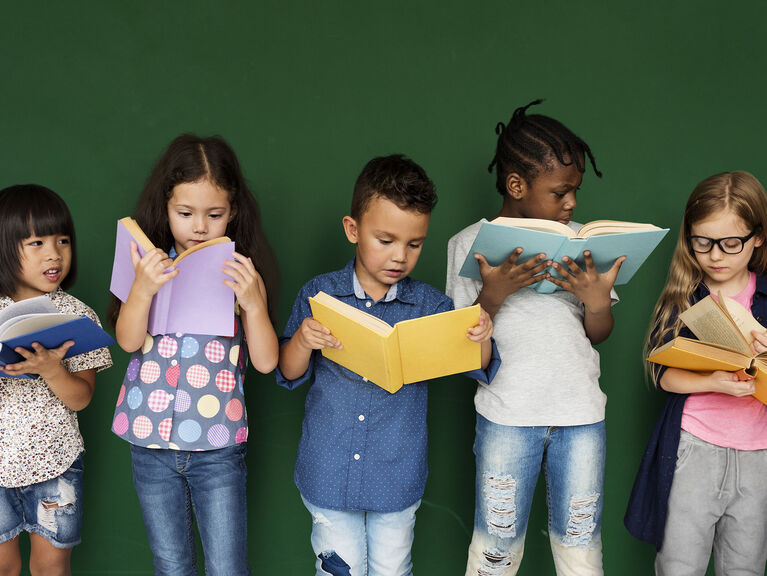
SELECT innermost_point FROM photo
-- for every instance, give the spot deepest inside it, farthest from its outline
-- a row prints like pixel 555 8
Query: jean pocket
pixel 686 444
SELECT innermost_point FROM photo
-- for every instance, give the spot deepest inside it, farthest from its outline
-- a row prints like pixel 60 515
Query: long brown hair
pixel 738 192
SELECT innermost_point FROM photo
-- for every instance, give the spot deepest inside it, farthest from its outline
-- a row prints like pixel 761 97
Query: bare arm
pixel 74 389
pixel 296 352
pixel 131 325
pixel 250 291
pixel 688 382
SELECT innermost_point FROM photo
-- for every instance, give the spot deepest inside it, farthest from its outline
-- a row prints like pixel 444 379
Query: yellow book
pixel 410 351
pixel 724 331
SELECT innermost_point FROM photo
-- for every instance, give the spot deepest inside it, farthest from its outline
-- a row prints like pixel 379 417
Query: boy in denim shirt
pixel 361 466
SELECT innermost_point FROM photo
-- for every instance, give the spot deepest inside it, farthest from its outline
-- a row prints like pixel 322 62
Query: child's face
pixel 389 241
pixel 45 262
pixel 721 271
pixel 550 196
pixel 198 211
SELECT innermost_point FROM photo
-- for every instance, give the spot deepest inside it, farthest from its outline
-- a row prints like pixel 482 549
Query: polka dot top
pixel 185 392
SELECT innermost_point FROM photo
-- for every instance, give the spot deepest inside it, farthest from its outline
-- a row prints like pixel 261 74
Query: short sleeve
pixel 463 291
pixel 99 359
pixel 298 313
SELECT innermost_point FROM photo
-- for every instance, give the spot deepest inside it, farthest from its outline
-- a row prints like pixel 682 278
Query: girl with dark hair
pixel 41 447
pixel 182 406
pixel 544 411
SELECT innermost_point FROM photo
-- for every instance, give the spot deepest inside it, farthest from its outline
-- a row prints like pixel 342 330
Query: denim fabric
pixel 52 509
pixel 361 447
pixel 509 461
pixel 362 543
pixel 718 503
pixel 172 487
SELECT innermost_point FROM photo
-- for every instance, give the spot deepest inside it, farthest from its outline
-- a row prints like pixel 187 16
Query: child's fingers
pixel 612 273
pixel 61 351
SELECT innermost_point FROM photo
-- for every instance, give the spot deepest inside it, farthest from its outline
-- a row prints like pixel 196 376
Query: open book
pixel 724 331
pixel 196 301
pixel 411 351
pixel 607 240
pixel 38 320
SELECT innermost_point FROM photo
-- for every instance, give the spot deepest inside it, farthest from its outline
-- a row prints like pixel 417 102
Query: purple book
pixel 194 302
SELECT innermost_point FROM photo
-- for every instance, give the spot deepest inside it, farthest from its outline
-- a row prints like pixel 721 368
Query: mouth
pixel 392 273
pixel 565 220
pixel 52 274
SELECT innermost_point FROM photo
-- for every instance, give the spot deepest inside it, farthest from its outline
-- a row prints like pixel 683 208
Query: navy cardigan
pixel 648 504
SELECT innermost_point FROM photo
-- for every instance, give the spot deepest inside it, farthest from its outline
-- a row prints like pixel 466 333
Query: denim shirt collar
pixel 349 284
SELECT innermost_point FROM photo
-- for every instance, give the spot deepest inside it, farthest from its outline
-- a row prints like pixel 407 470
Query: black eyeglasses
pixel 729 245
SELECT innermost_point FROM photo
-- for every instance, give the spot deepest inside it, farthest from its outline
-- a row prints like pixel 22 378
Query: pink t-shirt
pixel 724 420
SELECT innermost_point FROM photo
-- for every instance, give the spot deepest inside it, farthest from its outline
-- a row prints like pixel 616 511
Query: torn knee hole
pixel 500 496
pixel 51 505
pixel 495 561
pixel 581 525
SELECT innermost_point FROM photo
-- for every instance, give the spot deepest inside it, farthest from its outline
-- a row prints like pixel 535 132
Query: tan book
pixel 410 351
pixel 723 329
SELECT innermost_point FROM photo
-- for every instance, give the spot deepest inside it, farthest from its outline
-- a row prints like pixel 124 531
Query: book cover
pixel 410 351
pixel 196 301
pixel 51 331
pixel 496 241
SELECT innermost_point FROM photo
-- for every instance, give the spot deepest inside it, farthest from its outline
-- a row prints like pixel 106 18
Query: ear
pixel 759 240
pixel 515 186
pixel 350 228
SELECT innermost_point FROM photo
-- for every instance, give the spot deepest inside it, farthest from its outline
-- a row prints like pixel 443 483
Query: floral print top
pixel 39 435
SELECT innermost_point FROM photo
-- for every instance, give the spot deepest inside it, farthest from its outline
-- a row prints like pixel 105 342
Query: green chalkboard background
pixel 665 93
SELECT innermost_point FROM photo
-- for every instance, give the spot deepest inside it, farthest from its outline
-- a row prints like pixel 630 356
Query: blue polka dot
pixel 189 347
pixel 189 431
pixel 240 382
pixel 134 398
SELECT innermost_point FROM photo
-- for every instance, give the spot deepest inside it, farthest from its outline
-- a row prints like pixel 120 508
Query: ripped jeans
pixel 360 543
pixel 52 508
pixel 509 461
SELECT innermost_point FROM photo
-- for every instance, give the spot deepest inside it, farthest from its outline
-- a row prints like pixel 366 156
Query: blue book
pixel 32 320
pixel 607 240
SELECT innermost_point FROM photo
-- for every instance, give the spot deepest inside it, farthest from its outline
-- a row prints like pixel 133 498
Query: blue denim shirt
pixel 361 447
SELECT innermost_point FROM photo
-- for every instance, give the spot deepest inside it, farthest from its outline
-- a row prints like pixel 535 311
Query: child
pixel 182 405
pixel 361 465
pixel 701 479
pixel 545 408
pixel 41 447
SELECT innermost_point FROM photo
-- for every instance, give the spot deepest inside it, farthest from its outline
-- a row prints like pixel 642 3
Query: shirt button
pixel 368 304
pixel 361 417
pixel 364 379
pixel 356 456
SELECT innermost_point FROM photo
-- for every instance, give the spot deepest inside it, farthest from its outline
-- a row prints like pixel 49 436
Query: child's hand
pixel 498 282
pixel 246 282
pixel 759 345
pixel 482 331
pixel 312 335
pixel 730 383
pixel 591 287
pixel 39 360
pixel 150 271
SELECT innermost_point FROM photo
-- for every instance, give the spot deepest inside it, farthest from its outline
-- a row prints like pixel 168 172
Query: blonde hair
pixel 738 192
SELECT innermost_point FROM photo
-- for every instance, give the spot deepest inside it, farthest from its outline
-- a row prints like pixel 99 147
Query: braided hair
pixel 529 145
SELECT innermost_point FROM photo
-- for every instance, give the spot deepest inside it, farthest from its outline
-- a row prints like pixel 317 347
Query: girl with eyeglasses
pixel 701 482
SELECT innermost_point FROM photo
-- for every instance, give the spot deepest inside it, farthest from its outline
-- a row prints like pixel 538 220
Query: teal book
pixel 607 240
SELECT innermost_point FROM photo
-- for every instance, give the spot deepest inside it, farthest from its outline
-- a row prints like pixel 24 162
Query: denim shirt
pixel 361 447
pixel 647 508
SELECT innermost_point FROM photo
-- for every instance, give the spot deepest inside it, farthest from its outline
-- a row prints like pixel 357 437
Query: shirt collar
pixel 347 284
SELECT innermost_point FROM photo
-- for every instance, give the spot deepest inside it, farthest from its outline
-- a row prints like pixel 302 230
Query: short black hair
pixel 27 209
pixel 396 178
pixel 529 145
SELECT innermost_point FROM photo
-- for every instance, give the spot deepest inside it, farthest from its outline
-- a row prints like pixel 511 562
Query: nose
pixel 200 224
pixel 399 254
pixel 570 202
pixel 53 251
pixel 716 253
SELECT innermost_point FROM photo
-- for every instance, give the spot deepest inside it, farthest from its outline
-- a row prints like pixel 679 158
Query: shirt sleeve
pixel 99 359
pixel 463 291
pixel 301 310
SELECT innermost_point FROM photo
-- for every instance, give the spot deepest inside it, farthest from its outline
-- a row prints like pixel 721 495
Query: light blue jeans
pixel 509 461
pixel 359 543
pixel 174 485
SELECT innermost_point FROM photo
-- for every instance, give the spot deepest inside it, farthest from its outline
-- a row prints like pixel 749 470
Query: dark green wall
pixel 665 93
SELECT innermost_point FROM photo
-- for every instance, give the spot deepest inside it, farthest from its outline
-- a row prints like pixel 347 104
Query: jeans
pixel 509 460
pixel 173 485
pixel 717 501
pixel 52 508
pixel 360 543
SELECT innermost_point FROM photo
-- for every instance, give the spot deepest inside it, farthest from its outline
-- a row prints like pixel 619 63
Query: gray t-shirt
pixel 549 375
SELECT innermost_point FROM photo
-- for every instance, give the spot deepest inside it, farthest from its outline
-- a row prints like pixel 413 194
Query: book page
pixel 709 323
pixel 742 318
pixel 598 227
pixel 23 308
pixel 200 246
pixel 551 226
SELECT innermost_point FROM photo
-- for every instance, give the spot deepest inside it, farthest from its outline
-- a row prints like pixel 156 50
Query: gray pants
pixel 718 499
